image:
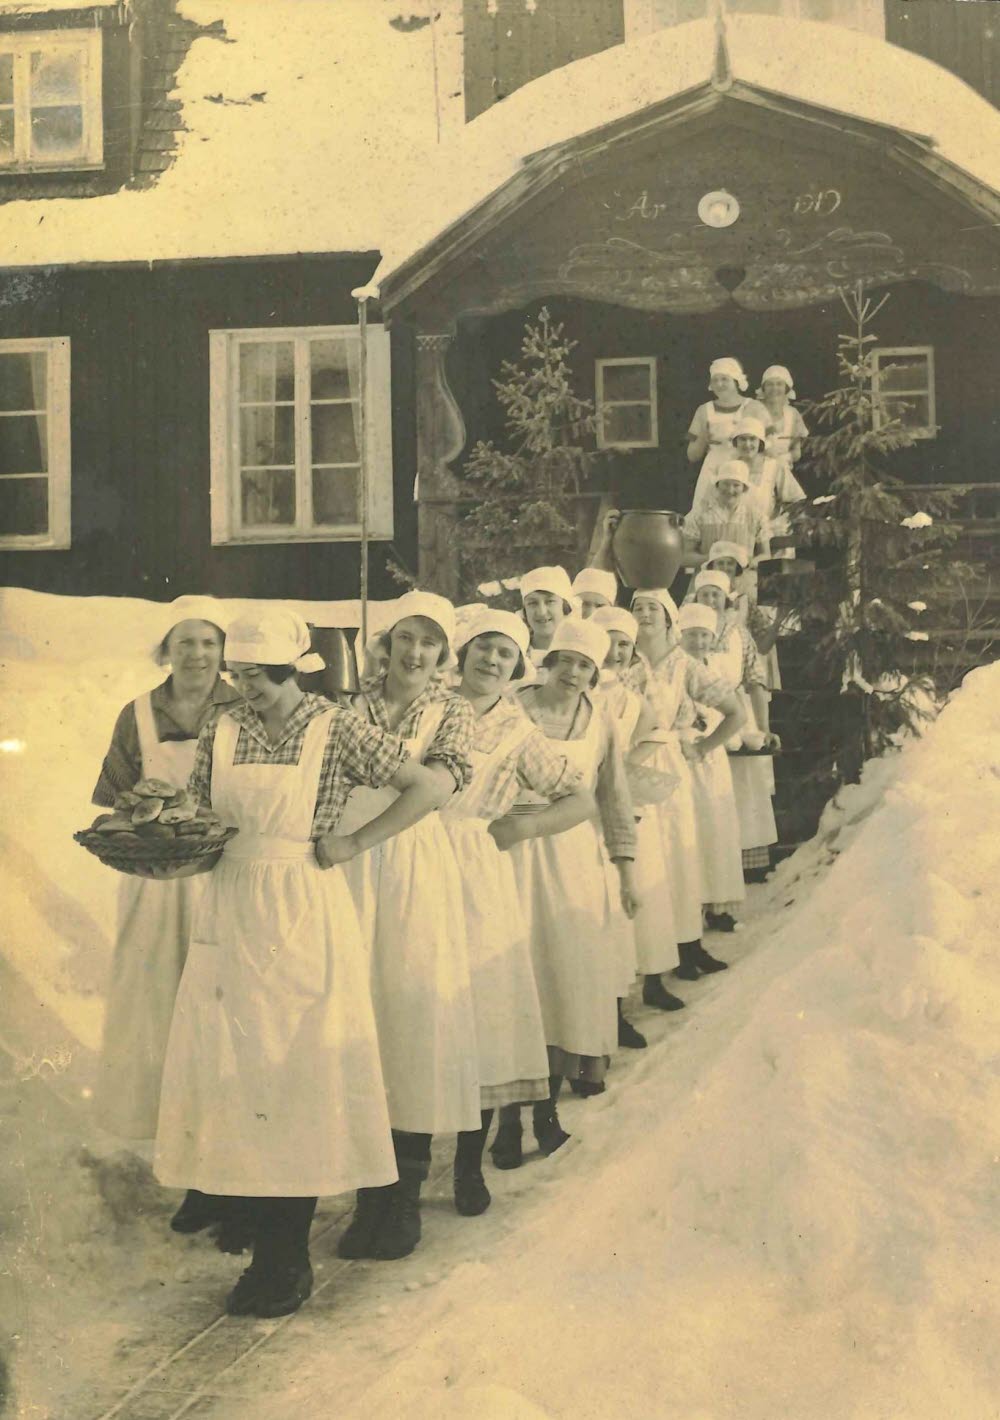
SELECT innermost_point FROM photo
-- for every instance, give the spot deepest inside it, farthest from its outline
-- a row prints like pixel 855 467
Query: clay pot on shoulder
pixel 648 547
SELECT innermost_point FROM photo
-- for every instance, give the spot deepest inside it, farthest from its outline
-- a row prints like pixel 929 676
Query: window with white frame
pixel 50 100
pixel 642 17
pixel 903 379
pixel 287 434
pixel 34 444
pixel 626 403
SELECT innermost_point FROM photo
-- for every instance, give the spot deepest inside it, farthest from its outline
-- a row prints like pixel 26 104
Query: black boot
pixel 358 1238
pixel 506 1150
pixel 279 1279
pixel 549 1133
pixel 472 1197
pixel 720 921
pixel 586 1089
pixel 704 962
pixel 198 1211
pixel 654 993
pixel 628 1037
pixel 238 1229
pixel 688 969
pixel 399 1232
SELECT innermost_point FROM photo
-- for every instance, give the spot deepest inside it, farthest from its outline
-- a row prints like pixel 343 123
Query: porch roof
pixel 820 67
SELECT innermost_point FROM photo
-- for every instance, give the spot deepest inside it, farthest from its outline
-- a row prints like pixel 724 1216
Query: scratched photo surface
pixel 308 303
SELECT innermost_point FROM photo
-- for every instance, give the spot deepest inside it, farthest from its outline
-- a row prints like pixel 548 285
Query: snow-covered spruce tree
pixel 526 508
pixel 881 557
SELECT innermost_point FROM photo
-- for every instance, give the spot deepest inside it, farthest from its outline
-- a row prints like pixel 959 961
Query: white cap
pixel 779 372
pixel 735 469
pixel 596 582
pixel 661 595
pixel 694 617
pixel 582 637
pixel 501 623
pixel 730 367
pixel 616 618
pixel 749 425
pixel 708 578
pixel 427 604
pixel 193 609
pixel 554 580
pixel 735 550
pixel 272 636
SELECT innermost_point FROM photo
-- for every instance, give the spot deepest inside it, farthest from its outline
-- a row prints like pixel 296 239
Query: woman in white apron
pixel 717 822
pixel 546 595
pixel 272 1087
pixel 786 429
pixel 562 882
pixel 673 683
pixel 714 423
pixel 652 937
pixel 734 658
pixel 409 899
pixel 155 737
pixel 594 589
pixel 510 756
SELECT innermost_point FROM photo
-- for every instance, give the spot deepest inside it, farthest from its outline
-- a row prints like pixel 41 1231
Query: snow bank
pixel 796 1214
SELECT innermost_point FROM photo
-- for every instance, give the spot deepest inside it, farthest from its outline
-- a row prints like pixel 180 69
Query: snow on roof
pixel 35 7
pixel 299 124
pixel 824 65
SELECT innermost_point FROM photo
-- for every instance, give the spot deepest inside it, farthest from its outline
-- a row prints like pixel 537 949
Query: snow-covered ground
pixel 785 1209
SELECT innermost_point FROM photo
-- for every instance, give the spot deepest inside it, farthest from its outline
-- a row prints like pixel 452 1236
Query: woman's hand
pixel 505 832
pixel 334 848
pixel 771 740
pixel 610 522
pixel 627 893
pixel 692 750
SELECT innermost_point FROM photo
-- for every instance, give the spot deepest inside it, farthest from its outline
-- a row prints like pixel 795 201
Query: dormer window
pixel 50 100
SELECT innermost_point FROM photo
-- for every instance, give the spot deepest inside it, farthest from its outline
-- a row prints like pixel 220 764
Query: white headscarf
pixel 582 637
pixel 429 605
pixel 596 582
pixel 502 623
pixel 272 636
pixel 661 595
pixel 735 469
pixel 735 550
pixel 694 617
pixel 708 578
pixel 193 609
pixel 616 618
pixel 749 425
pixel 728 366
pixel 778 372
pixel 554 580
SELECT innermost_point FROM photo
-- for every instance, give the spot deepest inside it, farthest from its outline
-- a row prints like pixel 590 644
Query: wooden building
pixel 180 379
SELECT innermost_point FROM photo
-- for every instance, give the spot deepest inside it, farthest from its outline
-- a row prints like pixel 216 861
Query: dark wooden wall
pixel 960 35
pixel 965 334
pixel 514 46
pixel 140 427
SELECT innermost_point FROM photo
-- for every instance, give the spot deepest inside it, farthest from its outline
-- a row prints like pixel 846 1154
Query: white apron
pixel 676 814
pixel 509 1033
pixel 721 425
pixel 753 779
pixel 151 943
pixel 564 894
pixel 408 892
pixel 272 1085
pixel 717 824
pixel 624 707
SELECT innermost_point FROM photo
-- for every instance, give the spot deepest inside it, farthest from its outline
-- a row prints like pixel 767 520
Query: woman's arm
pixel 122 767
pixel 419 790
pixel 602 553
pixel 698 436
pixel 733 719
pixel 564 813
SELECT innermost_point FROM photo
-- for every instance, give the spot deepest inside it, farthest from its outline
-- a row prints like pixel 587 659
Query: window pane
pixel 56 78
pixel 22 380
pixel 24 506
pixel 267 435
pixel 23 444
pixel 333 439
pixel 627 424
pixel 626 382
pixel 56 132
pixel 912 410
pixel 903 372
pixel 335 366
pixel 268 498
pixel 6 135
pixel 267 371
pixel 6 78
pixel 335 496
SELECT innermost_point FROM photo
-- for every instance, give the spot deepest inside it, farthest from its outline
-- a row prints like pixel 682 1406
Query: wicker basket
pixel 181 857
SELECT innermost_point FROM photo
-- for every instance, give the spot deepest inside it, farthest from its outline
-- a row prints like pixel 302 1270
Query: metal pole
pixel 363 455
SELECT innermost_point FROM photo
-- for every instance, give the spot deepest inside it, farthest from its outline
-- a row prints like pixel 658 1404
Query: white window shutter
pixel 219 421
pixel 378 435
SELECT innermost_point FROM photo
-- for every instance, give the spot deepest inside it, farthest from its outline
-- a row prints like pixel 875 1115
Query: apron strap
pixel 148 738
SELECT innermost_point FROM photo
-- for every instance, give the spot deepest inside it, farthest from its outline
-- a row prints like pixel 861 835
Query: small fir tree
pixel 527 506
pixel 882 557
